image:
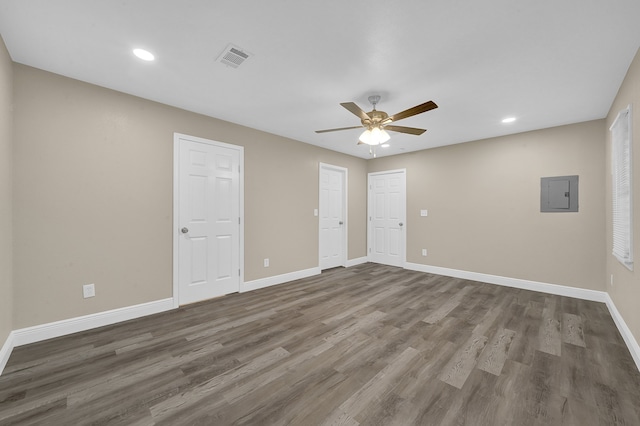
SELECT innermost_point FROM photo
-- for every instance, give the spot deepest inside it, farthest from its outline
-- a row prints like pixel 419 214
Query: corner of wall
pixel 621 283
pixel 6 203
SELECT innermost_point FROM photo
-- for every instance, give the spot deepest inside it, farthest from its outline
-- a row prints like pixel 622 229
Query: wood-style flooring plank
pixel 572 329
pixel 367 345
pixel 463 362
pixel 549 339
pixel 495 353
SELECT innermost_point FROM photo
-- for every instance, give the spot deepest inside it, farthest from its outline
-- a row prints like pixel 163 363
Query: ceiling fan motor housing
pixel 375 118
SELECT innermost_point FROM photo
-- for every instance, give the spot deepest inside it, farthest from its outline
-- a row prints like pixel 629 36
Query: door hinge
pixel 238 272
pixel 369 249
pixel 238 221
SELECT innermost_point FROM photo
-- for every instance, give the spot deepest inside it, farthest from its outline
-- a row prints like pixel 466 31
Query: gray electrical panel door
pixel 559 194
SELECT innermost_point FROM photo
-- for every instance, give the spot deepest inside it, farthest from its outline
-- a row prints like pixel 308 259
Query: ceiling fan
pixel 378 122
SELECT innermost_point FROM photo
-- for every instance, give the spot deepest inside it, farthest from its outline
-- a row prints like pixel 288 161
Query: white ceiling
pixel 546 62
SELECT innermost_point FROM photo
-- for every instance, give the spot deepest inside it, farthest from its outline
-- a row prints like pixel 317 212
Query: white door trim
pixel 176 207
pixel 403 257
pixel 345 209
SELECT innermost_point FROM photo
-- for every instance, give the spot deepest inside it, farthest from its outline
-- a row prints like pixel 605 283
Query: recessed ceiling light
pixel 385 145
pixel 509 120
pixel 145 55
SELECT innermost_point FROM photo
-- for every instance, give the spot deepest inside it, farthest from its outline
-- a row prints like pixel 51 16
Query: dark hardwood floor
pixel 369 345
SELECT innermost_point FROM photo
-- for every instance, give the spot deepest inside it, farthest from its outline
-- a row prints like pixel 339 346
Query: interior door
pixel 208 230
pixel 387 217
pixel 332 216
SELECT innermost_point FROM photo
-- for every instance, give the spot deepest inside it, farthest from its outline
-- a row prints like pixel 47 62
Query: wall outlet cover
pixel 88 290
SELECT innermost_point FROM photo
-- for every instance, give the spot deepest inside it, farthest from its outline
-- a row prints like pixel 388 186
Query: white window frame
pixel 622 194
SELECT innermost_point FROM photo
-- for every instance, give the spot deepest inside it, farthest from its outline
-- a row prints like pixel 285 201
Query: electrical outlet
pixel 424 213
pixel 88 290
pixel 266 263
pixel 424 252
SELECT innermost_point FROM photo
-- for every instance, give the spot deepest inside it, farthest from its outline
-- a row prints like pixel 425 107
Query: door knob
pixel 401 223
pixel 340 223
pixel 184 230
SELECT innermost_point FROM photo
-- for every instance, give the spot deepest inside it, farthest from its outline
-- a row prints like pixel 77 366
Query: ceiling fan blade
pixel 403 129
pixel 355 109
pixel 419 109
pixel 341 128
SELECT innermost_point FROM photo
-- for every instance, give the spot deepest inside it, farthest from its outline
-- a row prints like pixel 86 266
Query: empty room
pixel 319 213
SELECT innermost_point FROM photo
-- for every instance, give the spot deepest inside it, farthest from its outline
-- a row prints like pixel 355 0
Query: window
pixel 621 178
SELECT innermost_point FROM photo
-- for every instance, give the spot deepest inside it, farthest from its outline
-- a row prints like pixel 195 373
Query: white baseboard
pixel 278 279
pixel 5 351
pixel 631 342
pixel 356 261
pixel 24 336
pixel 560 290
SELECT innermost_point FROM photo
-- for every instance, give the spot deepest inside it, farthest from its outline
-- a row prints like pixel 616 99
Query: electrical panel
pixel 559 194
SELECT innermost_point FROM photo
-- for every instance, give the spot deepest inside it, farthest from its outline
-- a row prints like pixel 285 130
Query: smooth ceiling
pixel 548 63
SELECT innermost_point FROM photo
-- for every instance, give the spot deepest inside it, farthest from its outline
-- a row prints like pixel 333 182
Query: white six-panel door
pixel 208 222
pixel 332 216
pixel 387 217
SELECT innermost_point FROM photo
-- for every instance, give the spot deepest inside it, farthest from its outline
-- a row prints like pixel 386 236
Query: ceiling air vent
pixel 233 56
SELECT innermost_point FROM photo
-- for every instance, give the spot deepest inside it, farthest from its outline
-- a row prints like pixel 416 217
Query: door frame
pixel 345 210
pixel 176 208
pixel 403 257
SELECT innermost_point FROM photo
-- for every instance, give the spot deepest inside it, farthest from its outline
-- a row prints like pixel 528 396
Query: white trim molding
pixel 357 261
pixel 24 336
pixel 5 351
pixel 560 290
pixel 38 333
pixel 278 279
pixel 631 342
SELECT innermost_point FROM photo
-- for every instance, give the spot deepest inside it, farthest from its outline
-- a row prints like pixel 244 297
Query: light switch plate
pixel 423 213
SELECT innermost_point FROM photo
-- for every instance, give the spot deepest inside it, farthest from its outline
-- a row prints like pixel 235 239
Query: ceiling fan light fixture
pixel 374 136
pixel 365 137
pixel 379 135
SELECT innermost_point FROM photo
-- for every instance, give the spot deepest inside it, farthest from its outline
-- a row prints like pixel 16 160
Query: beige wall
pixel 483 202
pixel 6 257
pixel 625 290
pixel 93 177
